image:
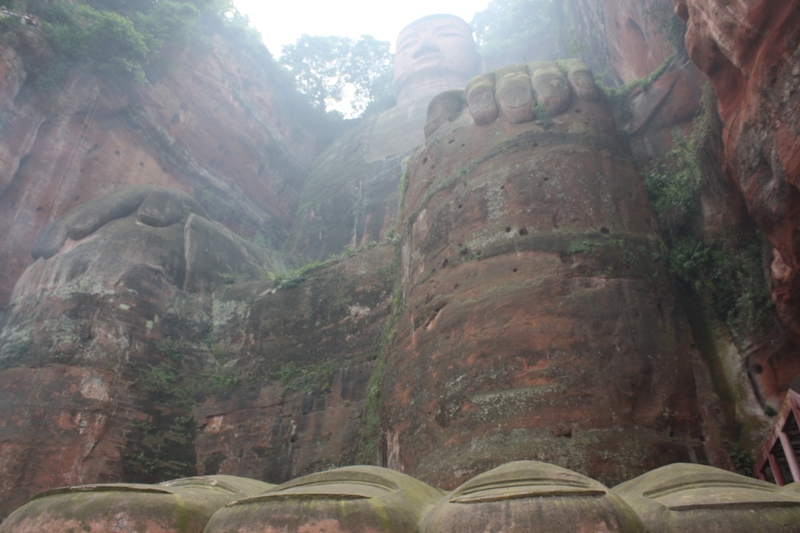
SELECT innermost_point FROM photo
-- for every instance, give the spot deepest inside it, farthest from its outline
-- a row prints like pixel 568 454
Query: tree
pixel 371 71
pixel 125 38
pixel 102 41
pixel 167 21
pixel 512 31
pixel 328 68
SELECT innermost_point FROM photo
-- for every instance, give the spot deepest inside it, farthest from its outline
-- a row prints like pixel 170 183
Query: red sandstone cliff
pixel 292 366
pixel 749 51
pixel 220 124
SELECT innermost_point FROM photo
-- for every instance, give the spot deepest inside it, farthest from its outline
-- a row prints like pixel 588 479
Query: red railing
pixel 777 461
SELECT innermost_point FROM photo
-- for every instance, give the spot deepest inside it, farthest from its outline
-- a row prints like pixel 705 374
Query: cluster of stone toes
pixel 517 497
pixel 516 93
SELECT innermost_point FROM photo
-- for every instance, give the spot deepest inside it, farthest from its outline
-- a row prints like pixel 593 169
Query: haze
pixel 282 23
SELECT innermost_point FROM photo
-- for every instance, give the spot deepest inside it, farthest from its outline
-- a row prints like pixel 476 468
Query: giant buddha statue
pixel 350 197
pixel 535 322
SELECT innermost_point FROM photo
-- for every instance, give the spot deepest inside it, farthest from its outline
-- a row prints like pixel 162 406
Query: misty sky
pixel 283 22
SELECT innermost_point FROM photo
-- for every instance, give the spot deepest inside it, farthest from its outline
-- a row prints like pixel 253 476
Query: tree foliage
pixel 328 67
pixel 124 38
pixel 507 29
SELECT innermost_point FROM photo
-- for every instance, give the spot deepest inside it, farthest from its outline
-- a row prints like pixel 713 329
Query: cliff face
pixel 620 35
pixel 526 310
pixel 218 124
pixel 156 346
pixel 749 51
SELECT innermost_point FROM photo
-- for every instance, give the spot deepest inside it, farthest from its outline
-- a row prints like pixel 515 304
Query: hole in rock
pixel 758 369
pixel 455 287
pixel 462 145
pixel 508 229
pixel 604 230
pixel 445 262
pixel 429 324
pixel 460 206
pixel 523 231
pixel 424 160
pixel 513 270
pixel 545 179
pixel 577 110
pixel 502 187
pixel 451 141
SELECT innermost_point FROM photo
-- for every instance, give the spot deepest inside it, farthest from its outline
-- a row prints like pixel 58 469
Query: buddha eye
pixel 449 34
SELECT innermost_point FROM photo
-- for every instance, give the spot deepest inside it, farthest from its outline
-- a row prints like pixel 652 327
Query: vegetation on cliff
pixel 124 39
pixel 725 269
pixel 508 31
pixel 327 67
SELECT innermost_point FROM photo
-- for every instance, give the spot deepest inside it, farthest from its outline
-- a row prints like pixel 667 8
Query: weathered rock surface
pixel 684 497
pixel 659 110
pixel 179 506
pixel 79 345
pixel 538 320
pixel 302 357
pixel 146 340
pixel 749 51
pixel 220 125
pixel 532 496
pixel 619 34
pixel 350 198
pixel 112 341
pixel 515 497
pixel 354 499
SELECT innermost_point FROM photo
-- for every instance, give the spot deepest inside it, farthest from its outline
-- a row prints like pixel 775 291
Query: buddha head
pixel 434 53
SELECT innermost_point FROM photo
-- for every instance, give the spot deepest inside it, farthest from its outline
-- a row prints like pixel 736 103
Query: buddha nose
pixel 426 47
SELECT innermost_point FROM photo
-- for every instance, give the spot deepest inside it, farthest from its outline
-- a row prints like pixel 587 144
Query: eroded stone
pixel 180 506
pixel 696 498
pixel 444 108
pixel 533 325
pixel 550 86
pixel 515 94
pixel 531 496
pixel 357 499
pixel 480 98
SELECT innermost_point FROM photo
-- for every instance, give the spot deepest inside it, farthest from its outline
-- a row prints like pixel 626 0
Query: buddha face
pixel 439 45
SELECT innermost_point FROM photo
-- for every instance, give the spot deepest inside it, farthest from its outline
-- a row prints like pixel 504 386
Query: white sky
pixel 284 21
